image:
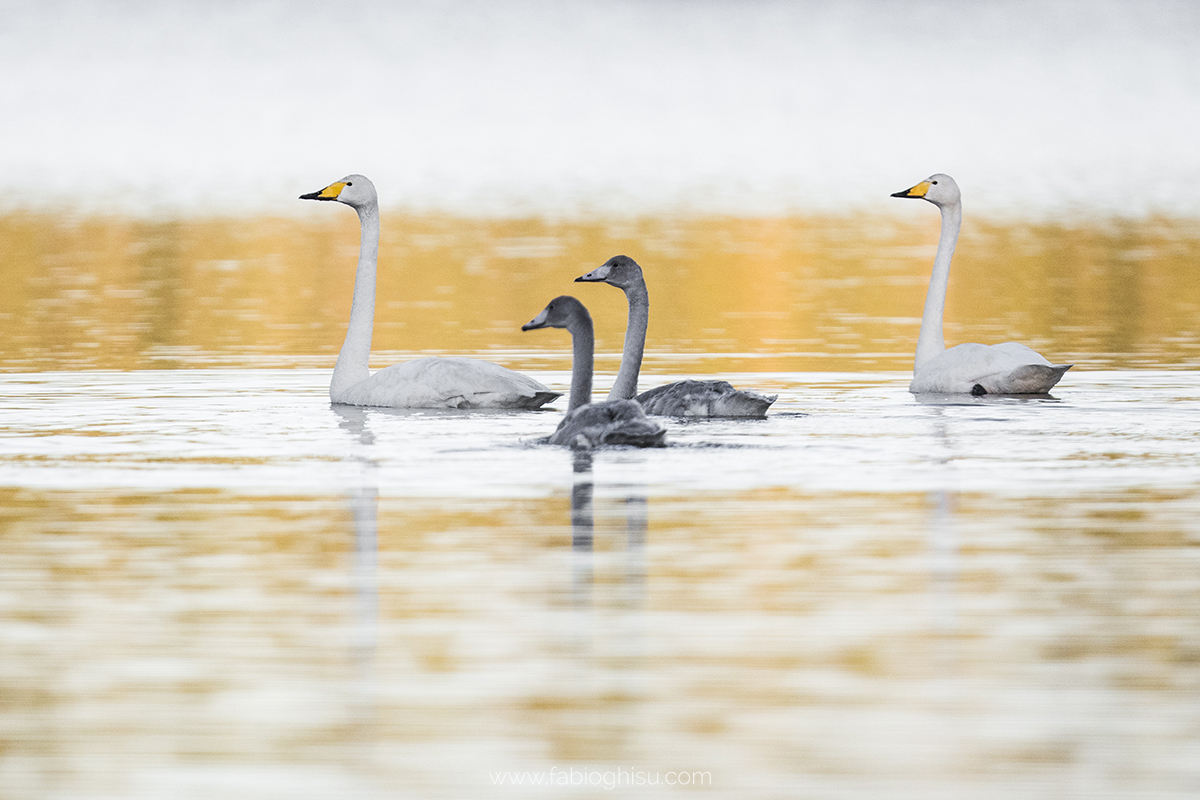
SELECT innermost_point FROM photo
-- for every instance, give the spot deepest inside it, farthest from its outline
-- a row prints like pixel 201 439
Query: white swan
pixel 1008 368
pixel 688 398
pixel 425 382
pixel 589 424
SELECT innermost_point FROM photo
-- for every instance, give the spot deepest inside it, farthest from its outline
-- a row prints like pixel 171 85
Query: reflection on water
pixel 364 501
pixel 728 294
pixel 214 583
pixel 582 526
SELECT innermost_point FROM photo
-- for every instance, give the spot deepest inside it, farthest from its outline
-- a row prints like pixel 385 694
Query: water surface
pixel 215 582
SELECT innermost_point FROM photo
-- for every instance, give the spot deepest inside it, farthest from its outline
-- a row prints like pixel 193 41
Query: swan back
pixel 613 422
pixel 691 398
pixel 972 368
pixel 451 382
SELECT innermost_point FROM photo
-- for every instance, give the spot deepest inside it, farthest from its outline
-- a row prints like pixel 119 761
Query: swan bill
pixel 917 192
pixel 330 192
pixel 598 275
pixel 537 322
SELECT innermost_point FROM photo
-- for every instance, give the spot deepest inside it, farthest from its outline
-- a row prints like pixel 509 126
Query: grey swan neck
pixel 625 386
pixel 930 342
pixel 583 346
pixel 351 368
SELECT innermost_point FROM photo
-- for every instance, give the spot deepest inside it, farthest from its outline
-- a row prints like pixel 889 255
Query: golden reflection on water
pixel 775 638
pixel 729 294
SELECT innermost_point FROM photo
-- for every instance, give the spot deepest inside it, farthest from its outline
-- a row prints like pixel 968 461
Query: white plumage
pixel 1008 368
pixel 424 382
pixel 446 383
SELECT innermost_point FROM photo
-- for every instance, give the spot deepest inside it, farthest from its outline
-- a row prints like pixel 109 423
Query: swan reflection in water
pixel 364 502
pixel 943 533
pixel 631 602
pixel 950 399
pixel 583 527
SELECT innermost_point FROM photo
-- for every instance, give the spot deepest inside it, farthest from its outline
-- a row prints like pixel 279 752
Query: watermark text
pixel 588 778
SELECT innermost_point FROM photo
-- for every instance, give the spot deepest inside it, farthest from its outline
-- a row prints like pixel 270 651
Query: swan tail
pixel 1030 379
pixel 538 400
pixel 744 404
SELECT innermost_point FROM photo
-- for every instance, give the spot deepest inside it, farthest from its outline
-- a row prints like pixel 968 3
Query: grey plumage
pixel 588 424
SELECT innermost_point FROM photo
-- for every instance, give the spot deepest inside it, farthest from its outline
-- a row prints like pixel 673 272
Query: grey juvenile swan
pixel 688 398
pixel 425 382
pixel 588 424
pixel 978 369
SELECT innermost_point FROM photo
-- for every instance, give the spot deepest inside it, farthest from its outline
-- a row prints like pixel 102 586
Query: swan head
pixel 356 191
pixel 561 312
pixel 620 271
pixel 939 189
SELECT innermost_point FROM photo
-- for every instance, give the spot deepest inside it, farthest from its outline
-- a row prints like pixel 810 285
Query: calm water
pixel 216 583
pixel 213 584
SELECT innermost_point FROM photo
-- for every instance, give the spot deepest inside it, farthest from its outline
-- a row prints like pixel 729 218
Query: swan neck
pixel 352 362
pixel 930 342
pixel 625 386
pixel 583 344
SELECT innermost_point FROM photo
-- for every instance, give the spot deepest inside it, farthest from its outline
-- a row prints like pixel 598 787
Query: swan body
pixel 691 398
pixel 424 382
pixel 446 383
pixel 1008 368
pixel 687 398
pixel 588 424
pixel 612 422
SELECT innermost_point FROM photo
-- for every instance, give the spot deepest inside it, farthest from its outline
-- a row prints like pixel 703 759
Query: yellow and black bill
pixel 917 191
pixel 330 192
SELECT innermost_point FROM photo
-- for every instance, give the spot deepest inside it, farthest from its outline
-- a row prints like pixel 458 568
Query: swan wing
pixel 448 383
pixel 1007 368
pixel 691 398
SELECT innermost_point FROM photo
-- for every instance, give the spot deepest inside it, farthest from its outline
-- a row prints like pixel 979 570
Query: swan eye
pixel 351 183
pixel 934 183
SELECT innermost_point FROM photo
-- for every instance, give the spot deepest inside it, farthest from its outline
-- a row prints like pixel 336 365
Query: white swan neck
pixel 583 344
pixel 351 368
pixel 625 386
pixel 931 342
